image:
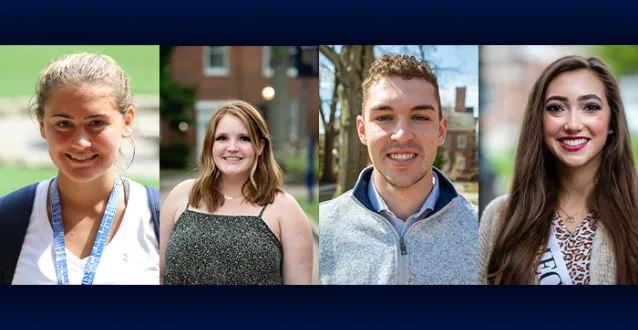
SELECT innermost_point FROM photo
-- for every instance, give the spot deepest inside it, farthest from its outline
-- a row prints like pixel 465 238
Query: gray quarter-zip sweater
pixel 359 246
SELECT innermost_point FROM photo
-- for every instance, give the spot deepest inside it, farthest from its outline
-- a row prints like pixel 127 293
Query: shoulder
pixel 466 208
pixel 181 190
pixel 494 209
pixel 287 210
pixel 184 186
pixel 336 203
pixel 28 191
pixel 285 202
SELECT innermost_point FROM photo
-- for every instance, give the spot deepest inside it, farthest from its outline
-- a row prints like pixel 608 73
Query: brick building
pixel 461 147
pixel 221 73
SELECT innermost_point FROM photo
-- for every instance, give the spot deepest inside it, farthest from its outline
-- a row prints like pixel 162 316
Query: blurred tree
pixel 175 97
pixel 439 160
pixel 329 125
pixel 621 59
pixel 351 68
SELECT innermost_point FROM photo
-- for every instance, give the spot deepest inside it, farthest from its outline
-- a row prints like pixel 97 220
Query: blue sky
pixel 459 66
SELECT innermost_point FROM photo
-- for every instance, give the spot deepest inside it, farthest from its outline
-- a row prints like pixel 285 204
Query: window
pixel 461 141
pixel 268 62
pixel 448 141
pixel 216 61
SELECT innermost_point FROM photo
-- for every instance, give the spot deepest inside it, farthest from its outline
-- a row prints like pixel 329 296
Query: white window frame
pixel 265 64
pixel 216 71
pixel 461 138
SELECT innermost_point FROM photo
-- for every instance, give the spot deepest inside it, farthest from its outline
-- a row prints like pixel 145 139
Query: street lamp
pixel 268 93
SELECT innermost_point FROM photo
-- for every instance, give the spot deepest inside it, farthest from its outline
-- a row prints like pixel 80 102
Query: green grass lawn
pixel 13 178
pixel 21 66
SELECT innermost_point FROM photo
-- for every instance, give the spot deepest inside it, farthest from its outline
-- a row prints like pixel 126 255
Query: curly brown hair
pixel 404 66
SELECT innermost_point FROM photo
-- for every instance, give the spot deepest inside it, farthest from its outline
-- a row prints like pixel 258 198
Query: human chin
pixel 400 176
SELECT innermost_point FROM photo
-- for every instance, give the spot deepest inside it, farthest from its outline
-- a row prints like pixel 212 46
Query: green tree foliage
pixel 623 60
pixel 175 97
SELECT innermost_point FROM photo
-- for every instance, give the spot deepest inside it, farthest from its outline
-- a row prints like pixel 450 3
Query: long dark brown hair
pixel 533 195
pixel 264 171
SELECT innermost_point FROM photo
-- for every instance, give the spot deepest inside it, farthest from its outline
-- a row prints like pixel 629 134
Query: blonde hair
pixel 264 169
pixel 84 68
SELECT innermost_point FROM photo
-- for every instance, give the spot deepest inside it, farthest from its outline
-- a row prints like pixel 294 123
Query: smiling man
pixel 403 222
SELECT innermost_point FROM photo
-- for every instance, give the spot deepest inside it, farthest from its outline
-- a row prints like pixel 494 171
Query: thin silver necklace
pixel 570 218
pixel 229 197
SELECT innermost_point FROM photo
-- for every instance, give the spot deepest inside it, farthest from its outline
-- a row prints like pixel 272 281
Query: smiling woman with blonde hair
pixel 86 225
pixel 234 224
pixel 570 217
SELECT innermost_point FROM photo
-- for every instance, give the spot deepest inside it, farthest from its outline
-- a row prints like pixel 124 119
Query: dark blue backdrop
pixel 311 23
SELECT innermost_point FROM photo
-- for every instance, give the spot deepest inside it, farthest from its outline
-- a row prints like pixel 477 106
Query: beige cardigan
pixel 602 269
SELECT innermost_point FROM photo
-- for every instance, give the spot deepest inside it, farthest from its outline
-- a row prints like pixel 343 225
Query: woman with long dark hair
pixel 570 216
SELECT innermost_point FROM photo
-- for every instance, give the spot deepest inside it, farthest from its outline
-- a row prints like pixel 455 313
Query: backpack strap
pixel 153 200
pixel 15 211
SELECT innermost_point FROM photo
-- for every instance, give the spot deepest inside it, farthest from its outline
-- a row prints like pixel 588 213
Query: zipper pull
pixel 404 250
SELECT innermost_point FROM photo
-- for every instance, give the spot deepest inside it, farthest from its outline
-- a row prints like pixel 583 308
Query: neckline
pixel 44 220
pixel 559 222
pixel 257 217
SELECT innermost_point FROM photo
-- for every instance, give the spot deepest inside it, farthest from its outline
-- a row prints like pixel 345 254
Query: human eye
pixel 244 138
pixel 97 123
pixel 383 118
pixel 592 107
pixel 220 138
pixel 553 108
pixel 63 124
pixel 420 118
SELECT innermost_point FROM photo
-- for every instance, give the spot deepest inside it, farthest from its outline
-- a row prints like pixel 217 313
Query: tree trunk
pixel 328 176
pixel 353 157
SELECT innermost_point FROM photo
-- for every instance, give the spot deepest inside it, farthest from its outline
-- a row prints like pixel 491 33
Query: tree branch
pixel 331 55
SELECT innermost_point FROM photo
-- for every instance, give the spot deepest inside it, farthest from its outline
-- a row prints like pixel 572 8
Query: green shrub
pixel 174 155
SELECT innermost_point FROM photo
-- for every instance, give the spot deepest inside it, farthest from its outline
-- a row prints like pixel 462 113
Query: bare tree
pixel 329 125
pixel 351 68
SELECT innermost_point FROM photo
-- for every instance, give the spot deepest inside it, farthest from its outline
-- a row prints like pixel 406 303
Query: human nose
pixel 232 145
pixel 573 122
pixel 402 132
pixel 81 139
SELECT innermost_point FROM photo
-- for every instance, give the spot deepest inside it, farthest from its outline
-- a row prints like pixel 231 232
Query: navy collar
pixel 447 192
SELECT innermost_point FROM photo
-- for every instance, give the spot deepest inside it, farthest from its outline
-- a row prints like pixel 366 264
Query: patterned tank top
pixel 222 249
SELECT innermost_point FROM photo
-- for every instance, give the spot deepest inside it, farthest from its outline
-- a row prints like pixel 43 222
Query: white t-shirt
pixel 131 257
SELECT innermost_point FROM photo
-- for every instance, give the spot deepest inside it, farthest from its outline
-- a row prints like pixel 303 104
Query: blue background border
pixel 308 23
pixel 189 22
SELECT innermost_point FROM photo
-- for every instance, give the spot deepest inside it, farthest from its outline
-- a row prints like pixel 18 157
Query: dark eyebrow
pixel 381 107
pixel 384 107
pixel 589 97
pixel 423 107
pixel 557 98
pixel 71 117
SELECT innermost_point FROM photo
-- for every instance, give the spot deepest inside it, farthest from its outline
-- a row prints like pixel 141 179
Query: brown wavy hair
pixel 264 171
pixel 534 192
pixel 404 66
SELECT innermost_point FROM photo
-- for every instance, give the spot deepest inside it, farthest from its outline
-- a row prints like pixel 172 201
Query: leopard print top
pixel 576 247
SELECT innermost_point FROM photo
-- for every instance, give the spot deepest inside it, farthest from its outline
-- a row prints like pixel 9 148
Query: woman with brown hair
pixel 570 216
pixel 234 224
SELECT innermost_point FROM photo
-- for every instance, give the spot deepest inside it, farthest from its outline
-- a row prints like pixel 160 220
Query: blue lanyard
pixel 100 240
